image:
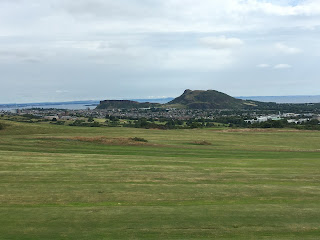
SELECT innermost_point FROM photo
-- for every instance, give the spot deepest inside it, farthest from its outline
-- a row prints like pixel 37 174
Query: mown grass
pixel 62 182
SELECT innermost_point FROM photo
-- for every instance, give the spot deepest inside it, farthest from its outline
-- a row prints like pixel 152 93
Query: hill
pixel 210 99
pixel 197 99
pixel 110 104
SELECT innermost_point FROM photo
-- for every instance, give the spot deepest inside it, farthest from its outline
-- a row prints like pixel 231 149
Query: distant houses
pixel 264 119
pixel 67 118
pixel 299 121
pixel 57 117
pixel 50 118
pixel 291 118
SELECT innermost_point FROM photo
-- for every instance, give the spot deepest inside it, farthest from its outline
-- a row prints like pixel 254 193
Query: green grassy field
pixel 62 182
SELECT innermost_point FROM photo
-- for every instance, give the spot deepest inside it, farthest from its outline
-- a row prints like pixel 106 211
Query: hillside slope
pixel 210 99
pixel 198 99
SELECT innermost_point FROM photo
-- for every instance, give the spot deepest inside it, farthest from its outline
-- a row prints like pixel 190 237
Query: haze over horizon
pixel 61 50
pixel 165 99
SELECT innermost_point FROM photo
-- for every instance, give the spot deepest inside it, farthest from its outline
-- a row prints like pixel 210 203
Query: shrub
pixel 59 122
pixel 77 123
pixel 30 116
pixel 94 124
pixel 90 119
pixel 202 142
pixel 138 139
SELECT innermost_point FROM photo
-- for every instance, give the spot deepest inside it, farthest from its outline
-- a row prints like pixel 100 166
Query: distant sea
pixel 285 99
pixel 77 105
pixel 59 106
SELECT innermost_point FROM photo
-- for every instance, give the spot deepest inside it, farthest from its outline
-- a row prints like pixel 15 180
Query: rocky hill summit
pixel 190 99
pixel 209 99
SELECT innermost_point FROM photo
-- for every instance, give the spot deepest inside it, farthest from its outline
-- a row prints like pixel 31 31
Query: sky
pixel 63 50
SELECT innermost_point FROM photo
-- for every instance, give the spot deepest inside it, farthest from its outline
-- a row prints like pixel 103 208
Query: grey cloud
pixel 123 9
pixel 133 48
pixel 15 55
pixel 283 48
pixel 263 65
pixel 221 42
pixel 282 66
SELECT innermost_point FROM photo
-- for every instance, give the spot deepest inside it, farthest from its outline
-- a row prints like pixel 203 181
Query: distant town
pixel 112 117
pixel 193 109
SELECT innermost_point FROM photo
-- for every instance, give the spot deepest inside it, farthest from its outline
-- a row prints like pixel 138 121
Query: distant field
pixel 62 182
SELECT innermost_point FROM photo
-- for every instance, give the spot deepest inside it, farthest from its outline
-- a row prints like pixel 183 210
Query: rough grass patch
pixel 112 141
pixel 2 126
pixel 138 139
pixel 203 142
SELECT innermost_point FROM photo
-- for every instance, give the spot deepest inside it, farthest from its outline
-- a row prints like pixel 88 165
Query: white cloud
pixel 221 42
pixel 282 66
pixel 62 91
pixel 263 65
pixel 197 59
pixel 281 47
pixel 308 7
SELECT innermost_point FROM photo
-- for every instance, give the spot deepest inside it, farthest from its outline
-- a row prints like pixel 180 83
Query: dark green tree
pixel 90 119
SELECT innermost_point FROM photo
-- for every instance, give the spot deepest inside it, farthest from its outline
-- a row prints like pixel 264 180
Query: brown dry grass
pixel 202 143
pixel 110 141
pixel 258 130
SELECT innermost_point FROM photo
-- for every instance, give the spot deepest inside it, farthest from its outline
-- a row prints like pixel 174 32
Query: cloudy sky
pixel 58 50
